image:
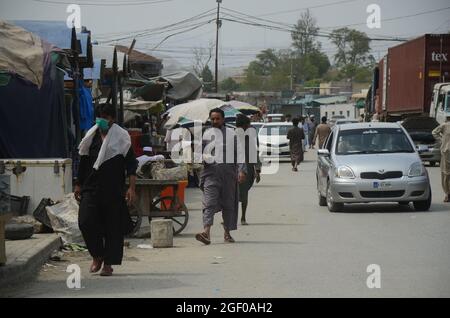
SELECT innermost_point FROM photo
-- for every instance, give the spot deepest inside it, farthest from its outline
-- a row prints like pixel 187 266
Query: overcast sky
pixel 238 43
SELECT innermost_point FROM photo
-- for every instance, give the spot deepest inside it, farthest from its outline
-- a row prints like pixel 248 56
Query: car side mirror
pixel 323 153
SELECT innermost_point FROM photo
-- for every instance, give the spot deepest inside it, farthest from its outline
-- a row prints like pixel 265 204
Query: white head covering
pixel 117 142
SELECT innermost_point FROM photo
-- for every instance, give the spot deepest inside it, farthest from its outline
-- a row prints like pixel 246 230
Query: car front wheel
pixel 423 205
pixel 332 206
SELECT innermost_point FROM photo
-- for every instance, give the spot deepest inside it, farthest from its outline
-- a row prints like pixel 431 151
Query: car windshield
pixel 372 140
pixel 281 130
pixel 342 122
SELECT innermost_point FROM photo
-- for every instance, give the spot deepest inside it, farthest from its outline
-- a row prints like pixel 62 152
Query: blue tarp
pixel 86 108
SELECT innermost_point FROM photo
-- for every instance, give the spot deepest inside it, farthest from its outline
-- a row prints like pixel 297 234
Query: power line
pixel 202 15
pixel 105 4
pixel 191 29
pixel 280 26
pixel 390 19
pixel 146 34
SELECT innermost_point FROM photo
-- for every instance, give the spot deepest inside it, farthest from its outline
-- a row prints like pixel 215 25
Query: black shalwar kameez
pixel 103 215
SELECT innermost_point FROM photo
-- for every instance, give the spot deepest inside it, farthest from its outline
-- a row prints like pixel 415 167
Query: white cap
pixel 148 149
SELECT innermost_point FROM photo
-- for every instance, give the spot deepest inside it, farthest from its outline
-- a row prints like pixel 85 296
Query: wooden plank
pixel 3 220
pixel 161 214
pixel 155 182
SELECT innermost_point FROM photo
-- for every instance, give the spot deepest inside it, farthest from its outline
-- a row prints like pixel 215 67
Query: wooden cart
pixel 149 203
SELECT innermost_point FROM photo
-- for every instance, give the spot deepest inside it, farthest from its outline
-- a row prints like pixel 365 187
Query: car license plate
pixel 382 185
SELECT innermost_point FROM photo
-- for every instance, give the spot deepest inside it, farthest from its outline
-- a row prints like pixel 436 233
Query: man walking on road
pixel 322 132
pixel 219 181
pixel 311 130
pixel 106 158
pixel 253 168
pixel 296 136
pixel 442 133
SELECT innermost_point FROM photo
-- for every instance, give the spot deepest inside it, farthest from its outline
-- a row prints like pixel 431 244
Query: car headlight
pixel 345 172
pixel 416 170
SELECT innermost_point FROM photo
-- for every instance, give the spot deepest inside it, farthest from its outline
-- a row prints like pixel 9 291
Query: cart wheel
pixel 179 222
pixel 135 219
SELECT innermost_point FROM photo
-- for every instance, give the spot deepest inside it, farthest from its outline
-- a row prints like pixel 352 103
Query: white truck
pixel 440 105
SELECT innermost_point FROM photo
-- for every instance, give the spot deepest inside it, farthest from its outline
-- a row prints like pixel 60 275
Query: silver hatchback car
pixel 371 162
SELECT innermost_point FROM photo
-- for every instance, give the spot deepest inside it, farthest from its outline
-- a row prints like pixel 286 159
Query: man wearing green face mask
pixel 106 158
pixel 102 124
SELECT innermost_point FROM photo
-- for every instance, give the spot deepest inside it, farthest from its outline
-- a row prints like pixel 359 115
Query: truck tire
pixel 18 231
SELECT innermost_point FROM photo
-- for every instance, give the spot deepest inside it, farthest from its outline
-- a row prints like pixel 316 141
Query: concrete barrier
pixel 162 233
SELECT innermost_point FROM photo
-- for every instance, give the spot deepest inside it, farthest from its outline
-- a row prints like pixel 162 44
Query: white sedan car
pixel 273 142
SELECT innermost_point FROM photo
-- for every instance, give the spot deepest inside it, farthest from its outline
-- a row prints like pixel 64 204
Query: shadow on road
pixel 391 208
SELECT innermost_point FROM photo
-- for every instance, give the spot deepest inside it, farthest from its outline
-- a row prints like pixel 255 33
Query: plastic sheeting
pixel 64 220
pixel 21 52
pixel 32 120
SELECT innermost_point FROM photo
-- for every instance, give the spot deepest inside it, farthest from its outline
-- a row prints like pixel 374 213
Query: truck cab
pixel 440 105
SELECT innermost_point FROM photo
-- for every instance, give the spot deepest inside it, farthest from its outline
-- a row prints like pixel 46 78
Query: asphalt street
pixel 292 248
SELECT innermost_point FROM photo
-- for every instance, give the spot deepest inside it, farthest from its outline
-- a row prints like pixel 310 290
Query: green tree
pixel 208 79
pixel 304 35
pixel 229 85
pixel 353 49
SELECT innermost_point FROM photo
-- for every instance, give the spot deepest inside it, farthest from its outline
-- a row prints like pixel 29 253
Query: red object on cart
pixel 168 192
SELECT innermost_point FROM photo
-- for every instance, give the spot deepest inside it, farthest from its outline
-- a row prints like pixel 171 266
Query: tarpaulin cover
pixel 32 121
pixel 86 108
pixel 184 86
pixel 21 52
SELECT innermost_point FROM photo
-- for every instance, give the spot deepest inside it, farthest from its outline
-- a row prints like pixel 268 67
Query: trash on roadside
pixel 218 257
pixel 40 213
pixel 73 247
pixel 64 219
pixel 145 246
pixel 29 219
pixel 57 256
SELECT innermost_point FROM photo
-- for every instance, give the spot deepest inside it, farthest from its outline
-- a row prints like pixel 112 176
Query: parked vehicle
pixel 419 129
pixel 257 125
pixel 440 107
pixel 275 118
pixel 273 142
pixel 335 118
pixel 346 121
pixel 405 79
pixel 371 162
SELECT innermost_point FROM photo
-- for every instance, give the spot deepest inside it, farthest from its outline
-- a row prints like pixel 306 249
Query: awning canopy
pixel 330 100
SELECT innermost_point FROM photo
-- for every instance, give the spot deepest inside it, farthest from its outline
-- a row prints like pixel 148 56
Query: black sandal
pixel 203 237
pixel 228 238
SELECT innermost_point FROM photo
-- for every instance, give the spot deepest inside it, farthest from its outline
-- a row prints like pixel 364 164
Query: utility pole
pixel 218 24
pixel 292 80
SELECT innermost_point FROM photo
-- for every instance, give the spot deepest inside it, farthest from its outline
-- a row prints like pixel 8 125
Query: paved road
pixel 292 248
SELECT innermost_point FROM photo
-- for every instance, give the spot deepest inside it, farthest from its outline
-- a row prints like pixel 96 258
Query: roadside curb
pixel 25 266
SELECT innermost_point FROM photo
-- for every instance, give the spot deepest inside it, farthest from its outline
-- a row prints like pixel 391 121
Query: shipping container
pixel 407 75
